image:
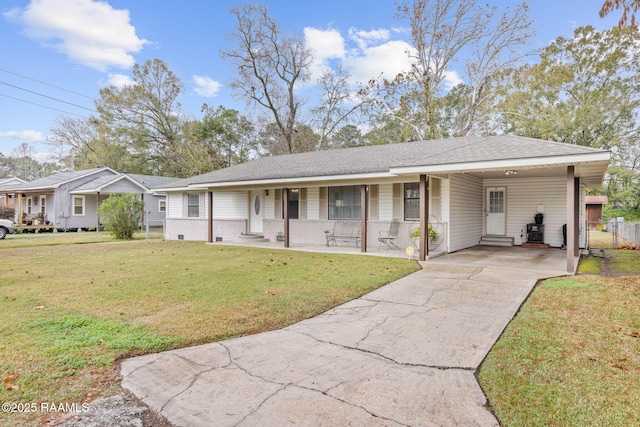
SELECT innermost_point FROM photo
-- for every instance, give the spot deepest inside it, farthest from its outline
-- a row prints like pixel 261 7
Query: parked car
pixel 6 227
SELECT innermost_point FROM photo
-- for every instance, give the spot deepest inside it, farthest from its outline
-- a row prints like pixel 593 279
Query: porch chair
pixel 387 238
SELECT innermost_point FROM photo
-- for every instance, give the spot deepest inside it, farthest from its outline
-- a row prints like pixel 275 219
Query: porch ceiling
pixel 592 174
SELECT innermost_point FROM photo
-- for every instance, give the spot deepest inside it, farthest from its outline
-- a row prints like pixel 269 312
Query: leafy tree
pixel 629 9
pixel 122 214
pixel 270 66
pixel 87 142
pixel 222 138
pixel 347 136
pixel 138 128
pixel 145 117
pixel 585 91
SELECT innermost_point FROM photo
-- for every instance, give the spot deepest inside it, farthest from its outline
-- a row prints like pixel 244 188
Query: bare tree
pixel 270 66
pixel 497 50
pixel 444 32
pixel 338 106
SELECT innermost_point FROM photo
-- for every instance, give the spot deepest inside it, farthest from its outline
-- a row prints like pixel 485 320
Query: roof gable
pixel 52 182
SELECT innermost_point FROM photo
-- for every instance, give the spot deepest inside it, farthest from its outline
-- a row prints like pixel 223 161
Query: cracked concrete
pixel 402 355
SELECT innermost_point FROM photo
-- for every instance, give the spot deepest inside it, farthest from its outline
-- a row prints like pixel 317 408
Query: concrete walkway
pixel 403 355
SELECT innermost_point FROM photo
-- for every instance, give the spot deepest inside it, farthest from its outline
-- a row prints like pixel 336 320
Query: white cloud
pixel 326 44
pixel 90 33
pixel 206 86
pixel 367 38
pixel 27 136
pixel 389 58
pixel 120 80
pixel 365 54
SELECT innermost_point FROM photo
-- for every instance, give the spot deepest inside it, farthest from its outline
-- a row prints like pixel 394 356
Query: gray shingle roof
pixel 54 181
pixel 146 181
pixel 381 158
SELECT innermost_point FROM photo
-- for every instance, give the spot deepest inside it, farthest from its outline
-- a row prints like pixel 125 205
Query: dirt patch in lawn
pixel 620 262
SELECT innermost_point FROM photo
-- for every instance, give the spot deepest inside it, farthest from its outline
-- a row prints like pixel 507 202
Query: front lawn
pixel 571 357
pixel 68 312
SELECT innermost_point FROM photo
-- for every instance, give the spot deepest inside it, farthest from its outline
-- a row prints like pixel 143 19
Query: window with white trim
pixel 344 202
pixel 29 205
pixel 162 205
pixel 78 205
pixel 411 201
pixel 193 205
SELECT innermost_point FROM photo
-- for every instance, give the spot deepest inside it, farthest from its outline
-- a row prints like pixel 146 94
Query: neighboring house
pixel 594 211
pixel 69 201
pixel 473 188
pixel 6 197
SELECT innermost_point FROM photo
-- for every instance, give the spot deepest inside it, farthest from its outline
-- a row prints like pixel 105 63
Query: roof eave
pixel 285 181
pixel 528 162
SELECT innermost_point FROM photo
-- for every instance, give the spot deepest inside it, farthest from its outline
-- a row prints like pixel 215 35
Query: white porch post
pixel 571 223
pixel 210 218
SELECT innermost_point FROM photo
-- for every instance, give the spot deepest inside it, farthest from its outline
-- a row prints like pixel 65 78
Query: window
pixel 294 203
pixel 193 206
pixel 411 201
pixel 496 201
pixel 344 202
pixel 43 205
pixel 162 205
pixel 78 205
pixel 29 205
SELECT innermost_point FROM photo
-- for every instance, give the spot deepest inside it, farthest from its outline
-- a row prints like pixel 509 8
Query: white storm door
pixel 256 209
pixel 496 212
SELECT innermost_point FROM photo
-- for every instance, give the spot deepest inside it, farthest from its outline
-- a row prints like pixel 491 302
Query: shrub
pixel 121 215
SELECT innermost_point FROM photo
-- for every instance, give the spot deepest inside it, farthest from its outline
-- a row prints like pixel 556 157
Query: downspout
pixel 98 211
pixel 571 226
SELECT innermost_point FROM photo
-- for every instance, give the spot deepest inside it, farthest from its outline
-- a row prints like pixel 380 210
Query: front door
pixel 495 211
pixel 256 207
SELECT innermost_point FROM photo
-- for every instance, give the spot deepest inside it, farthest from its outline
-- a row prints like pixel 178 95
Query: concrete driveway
pixel 402 355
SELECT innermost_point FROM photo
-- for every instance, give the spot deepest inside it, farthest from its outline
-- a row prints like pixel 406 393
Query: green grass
pixel 69 311
pixel 571 357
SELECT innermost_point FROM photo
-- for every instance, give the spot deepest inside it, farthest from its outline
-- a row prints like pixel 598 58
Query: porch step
pixel 496 241
pixel 252 237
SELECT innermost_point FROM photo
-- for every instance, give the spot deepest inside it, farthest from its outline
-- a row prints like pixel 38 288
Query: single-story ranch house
pixel 472 190
pixel 68 201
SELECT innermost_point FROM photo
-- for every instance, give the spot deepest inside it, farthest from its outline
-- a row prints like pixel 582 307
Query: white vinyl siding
pixel 466 212
pixel 269 204
pixel 523 195
pixel 174 205
pixel 230 205
pixel 385 199
pixel 313 203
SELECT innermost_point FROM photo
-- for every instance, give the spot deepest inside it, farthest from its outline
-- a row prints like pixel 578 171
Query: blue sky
pixel 55 55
